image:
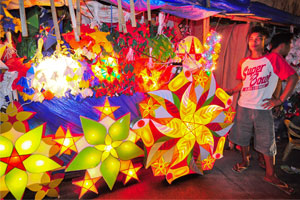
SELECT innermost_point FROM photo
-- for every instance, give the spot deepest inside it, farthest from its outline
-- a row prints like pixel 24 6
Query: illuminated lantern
pixel 190 50
pixel 87 184
pixel 64 75
pixel 129 170
pixel 106 68
pixel 15 117
pixel 188 131
pixel 106 144
pixel 66 141
pixel 21 155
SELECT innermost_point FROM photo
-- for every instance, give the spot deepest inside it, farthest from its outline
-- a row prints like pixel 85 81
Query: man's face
pixel 256 42
pixel 285 48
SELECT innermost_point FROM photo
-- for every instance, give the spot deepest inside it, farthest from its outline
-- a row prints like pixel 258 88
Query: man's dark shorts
pixel 259 124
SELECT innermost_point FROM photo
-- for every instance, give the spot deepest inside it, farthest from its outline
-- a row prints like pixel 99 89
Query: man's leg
pixel 271 177
pixel 239 167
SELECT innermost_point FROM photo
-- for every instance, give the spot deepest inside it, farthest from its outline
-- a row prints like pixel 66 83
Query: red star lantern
pixel 14 161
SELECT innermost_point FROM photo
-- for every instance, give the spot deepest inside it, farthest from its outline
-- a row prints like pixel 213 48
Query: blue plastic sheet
pixel 276 15
pixel 66 112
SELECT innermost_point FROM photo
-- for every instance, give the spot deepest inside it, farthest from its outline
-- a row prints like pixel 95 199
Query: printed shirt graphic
pixel 260 77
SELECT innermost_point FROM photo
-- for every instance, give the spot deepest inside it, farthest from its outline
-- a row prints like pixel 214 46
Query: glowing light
pixel 2 147
pixel 26 145
pixel 39 162
pixel 108 148
pixel 67 142
pixel 64 75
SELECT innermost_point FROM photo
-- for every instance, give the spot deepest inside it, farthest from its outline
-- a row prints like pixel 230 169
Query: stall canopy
pixel 192 9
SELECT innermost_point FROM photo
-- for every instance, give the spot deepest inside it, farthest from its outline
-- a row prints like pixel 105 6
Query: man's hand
pixel 271 103
pixel 229 91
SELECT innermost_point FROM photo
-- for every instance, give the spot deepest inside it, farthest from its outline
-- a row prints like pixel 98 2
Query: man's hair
pixel 259 29
pixel 280 38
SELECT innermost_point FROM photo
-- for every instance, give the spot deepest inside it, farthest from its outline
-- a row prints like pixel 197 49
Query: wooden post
pixel 78 17
pixel 208 3
pixel 73 19
pixel 148 10
pixel 122 25
pixel 23 18
pixel 132 13
pixel 54 17
pixel 206 27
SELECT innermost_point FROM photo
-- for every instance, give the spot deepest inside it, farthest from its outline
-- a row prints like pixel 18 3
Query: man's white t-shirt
pixel 260 77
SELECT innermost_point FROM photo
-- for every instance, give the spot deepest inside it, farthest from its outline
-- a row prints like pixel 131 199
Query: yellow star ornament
pixel 87 184
pixel 129 170
pixel 107 110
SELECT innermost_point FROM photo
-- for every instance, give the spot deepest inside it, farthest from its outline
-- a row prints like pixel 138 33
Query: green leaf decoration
pixel 176 101
pixel 16 181
pixel 121 41
pixel 120 129
pixel 110 169
pixel 134 43
pixel 86 159
pixel 128 150
pixel 94 132
pixel 30 141
pixel 39 164
pixel 6 147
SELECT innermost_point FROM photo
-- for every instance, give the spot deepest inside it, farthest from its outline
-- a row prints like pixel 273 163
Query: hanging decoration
pixel 8 22
pixel 194 56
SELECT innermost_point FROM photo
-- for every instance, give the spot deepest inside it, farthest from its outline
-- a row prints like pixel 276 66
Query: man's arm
pixel 291 83
pixel 236 89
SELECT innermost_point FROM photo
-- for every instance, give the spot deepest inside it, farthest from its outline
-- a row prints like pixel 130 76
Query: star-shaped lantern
pixel 107 109
pixel 189 126
pixel 66 141
pixel 129 170
pixel 108 143
pixel 21 155
pixel 15 117
pixel 87 184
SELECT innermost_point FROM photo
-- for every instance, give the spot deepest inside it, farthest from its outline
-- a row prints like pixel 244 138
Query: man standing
pixel 259 75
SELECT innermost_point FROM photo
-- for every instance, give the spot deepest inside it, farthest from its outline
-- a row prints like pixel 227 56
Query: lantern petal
pixel 3 117
pixel 94 132
pixel 6 147
pixel 12 109
pixel 88 158
pixel 120 129
pixel 52 193
pixel 5 126
pixel 35 187
pixel 20 126
pixel 2 168
pixel 128 150
pixel 40 194
pixel 30 141
pixel 39 163
pixel 110 169
pixel 16 181
pixel 22 116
